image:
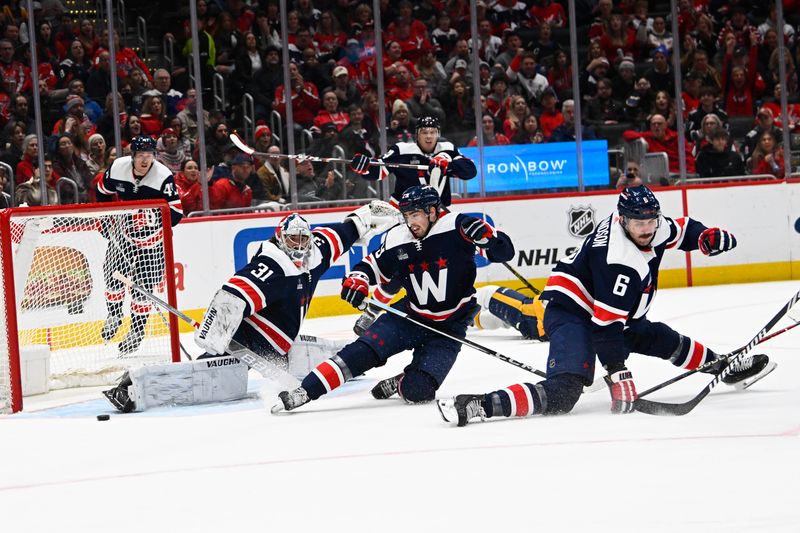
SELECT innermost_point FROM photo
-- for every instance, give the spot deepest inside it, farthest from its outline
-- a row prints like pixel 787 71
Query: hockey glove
pixel 441 161
pixel 355 288
pixel 220 322
pixel 714 241
pixel 623 391
pixel 477 230
pixel 360 164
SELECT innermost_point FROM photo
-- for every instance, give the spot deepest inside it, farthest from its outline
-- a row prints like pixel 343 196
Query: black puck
pixel 103 418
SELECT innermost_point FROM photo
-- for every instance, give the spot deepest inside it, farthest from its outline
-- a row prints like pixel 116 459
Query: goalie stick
pixel 261 365
pixel 241 145
pixel 680 409
pixel 595 386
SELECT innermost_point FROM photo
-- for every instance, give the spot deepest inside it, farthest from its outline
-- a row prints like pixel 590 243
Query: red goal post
pixel 55 263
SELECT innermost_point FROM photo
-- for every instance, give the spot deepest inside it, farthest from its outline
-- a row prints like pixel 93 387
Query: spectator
pixel 226 39
pixel 48 50
pixel 604 108
pixel 709 125
pixel 330 113
pixel 767 156
pixel 739 82
pixel 717 158
pixel 183 142
pixel 431 71
pixel 19 112
pixel 690 95
pixel 517 111
pixel 188 116
pixel 422 103
pixel 624 82
pixel 461 58
pixel 217 143
pixel 29 162
pixel 565 132
pixel 596 69
pixel 134 89
pixel 513 45
pixel 524 77
pixel 68 164
pixel 559 76
pixel 490 137
pixel 772 24
pixel 304 99
pixel 13 151
pixel 664 105
pixel 345 89
pixel 127 59
pixel 551 117
pixel 91 108
pixel 357 65
pixel 544 47
pixel 206 50
pixel 496 100
pixel 329 186
pixel 263 138
pixel 399 87
pixel 306 184
pixel 700 65
pixel 233 191
pixel 602 12
pixel 632 176
pixel 660 74
pixel 16 77
pixel 548 11
pixel 5 198
pixel 189 189
pixel 530 132
pixel 764 122
pixel 275 177
pixel 773 79
pixel 329 37
pixel 98 84
pixel 105 124
pixel 460 113
pixel 490 44
pixel 162 87
pixel 96 157
pixel 708 105
pixel 508 15
pixel 618 39
pixel 171 154
pixel 661 139
pixel 77 65
pixel 659 35
pixel 400 127
pixel 445 37
pixel 153 115
pixel 88 38
pixel 131 129
pixel 324 144
pixel 76 123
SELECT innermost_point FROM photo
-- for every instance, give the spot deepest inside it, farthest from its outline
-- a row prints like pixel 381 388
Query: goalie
pixel 262 307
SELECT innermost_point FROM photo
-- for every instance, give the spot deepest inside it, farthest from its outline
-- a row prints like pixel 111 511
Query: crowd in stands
pixel 728 100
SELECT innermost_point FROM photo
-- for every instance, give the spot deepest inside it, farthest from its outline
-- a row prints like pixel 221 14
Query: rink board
pixel 764 216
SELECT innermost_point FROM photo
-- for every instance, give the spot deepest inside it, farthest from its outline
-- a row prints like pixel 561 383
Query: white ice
pixel 351 463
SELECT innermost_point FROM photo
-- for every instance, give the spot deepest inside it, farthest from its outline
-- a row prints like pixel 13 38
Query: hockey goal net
pixel 56 266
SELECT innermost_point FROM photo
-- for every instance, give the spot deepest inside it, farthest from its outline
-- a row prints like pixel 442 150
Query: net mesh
pixel 67 298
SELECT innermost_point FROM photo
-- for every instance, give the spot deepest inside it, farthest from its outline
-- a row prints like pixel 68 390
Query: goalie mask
pixel 293 236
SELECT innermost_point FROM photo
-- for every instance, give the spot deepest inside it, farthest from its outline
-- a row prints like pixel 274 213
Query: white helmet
pixel 293 236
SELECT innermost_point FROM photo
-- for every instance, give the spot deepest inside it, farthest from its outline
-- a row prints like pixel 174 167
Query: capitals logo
pixel 580 221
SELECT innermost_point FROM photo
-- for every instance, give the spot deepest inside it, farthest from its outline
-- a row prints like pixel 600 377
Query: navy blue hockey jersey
pixel 437 271
pixel 612 281
pixel 277 293
pixel 157 184
pixel 410 153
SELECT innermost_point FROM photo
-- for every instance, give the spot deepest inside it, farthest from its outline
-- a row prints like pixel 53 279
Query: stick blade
pixel 121 277
pixel 240 144
pixel 664 409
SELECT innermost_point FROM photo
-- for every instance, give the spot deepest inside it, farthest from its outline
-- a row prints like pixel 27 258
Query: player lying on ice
pixel 432 256
pixel 502 307
pixel 596 305
pixel 262 307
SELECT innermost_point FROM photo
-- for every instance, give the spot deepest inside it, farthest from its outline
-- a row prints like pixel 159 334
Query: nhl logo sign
pixel 580 221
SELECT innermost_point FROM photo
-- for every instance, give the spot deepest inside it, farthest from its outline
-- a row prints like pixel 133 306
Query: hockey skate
pixel 118 396
pixel 111 326
pixel 366 320
pixel 132 340
pixel 386 388
pixel 291 400
pixel 462 408
pixel 746 371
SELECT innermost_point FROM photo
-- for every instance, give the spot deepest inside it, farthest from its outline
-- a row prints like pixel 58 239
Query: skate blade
pixel 447 408
pixel 747 383
pixel 277 408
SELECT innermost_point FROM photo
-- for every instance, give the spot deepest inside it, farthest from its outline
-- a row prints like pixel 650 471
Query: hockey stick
pixel 597 385
pixel 527 283
pixel 711 363
pixel 680 409
pixel 241 145
pixel 251 359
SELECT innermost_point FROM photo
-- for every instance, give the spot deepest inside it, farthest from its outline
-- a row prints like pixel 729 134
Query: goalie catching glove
pixel 373 219
pixel 623 390
pixel 355 288
pixel 220 323
pixel 714 241
pixel 477 230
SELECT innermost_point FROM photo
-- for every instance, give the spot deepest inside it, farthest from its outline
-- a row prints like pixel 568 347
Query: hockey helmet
pixel 428 121
pixel 419 197
pixel 293 236
pixel 638 203
pixel 143 143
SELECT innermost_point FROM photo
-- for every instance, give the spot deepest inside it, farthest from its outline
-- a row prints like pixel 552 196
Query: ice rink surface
pixel 351 463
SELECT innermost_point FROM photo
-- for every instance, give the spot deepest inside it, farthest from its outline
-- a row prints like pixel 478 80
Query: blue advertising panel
pixel 520 167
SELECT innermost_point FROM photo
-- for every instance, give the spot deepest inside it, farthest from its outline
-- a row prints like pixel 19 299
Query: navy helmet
pixel 639 203
pixel 143 143
pixel 428 121
pixel 419 197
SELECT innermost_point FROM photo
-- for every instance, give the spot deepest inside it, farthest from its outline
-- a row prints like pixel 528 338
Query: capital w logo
pixel 437 288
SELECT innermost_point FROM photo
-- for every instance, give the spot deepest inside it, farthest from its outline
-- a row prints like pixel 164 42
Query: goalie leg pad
pixel 308 352
pixel 217 379
pixel 222 319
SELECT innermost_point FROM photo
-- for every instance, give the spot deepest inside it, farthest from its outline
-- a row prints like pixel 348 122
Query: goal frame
pixel 7 266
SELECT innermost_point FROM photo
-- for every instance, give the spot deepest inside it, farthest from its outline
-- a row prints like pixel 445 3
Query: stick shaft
pixel 522 279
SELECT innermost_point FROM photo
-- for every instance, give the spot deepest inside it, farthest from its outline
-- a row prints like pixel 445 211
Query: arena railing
pixel 249 117
pixel 141 39
pixel 276 125
pixel 168 48
pixel 745 177
pixel 218 86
